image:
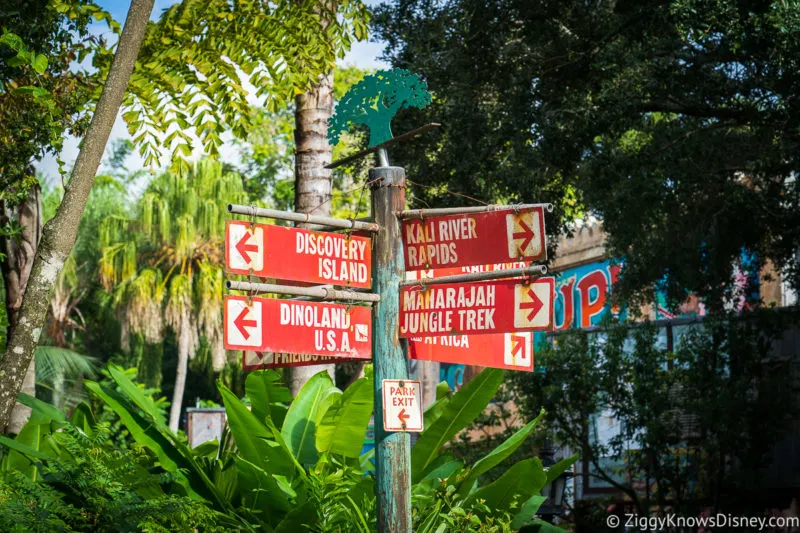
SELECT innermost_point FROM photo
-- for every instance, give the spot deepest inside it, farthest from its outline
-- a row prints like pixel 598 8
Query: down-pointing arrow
pixel 244 248
pixel 535 305
pixel 242 323
pixel 526 234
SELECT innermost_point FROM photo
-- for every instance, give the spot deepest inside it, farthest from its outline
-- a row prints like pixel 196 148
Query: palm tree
pixel 164 269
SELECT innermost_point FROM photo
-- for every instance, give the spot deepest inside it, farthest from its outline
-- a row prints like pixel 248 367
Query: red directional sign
pixel 475 239
pixel 470 308
pixel 296 254
pixel 252 360
pixel 513 351
pixel 297 327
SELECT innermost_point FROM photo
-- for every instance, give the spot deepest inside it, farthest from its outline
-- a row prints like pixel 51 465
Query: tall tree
pixel 42 97
pixel 675 122
pixel 164 267
pixel 58 235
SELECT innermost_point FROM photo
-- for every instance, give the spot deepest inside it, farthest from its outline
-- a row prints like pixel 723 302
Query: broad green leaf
pixel 48 412
pixel 265 392
pixel 443 390
pixel 21 448
pixel 527 513
pixel 344 425
pixel 261 491
pixel 39 63
pixel 444 471
pixel 83 419
pixel 135 394
pixel 498 455
pixel 173 456
pixel 299 426
pixel 299 519
pixel 521 481
pixel 456 414
pixel 561 467
pixel 255 441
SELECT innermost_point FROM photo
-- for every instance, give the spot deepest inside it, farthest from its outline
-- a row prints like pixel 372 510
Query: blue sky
pixel 363 55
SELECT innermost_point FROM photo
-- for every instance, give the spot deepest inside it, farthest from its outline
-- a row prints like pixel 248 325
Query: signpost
pixel 483 307
pixel 512 351
pixel 498 236
pixel 297 327
pixel 402 405
pixel 296 254
pixel 475 314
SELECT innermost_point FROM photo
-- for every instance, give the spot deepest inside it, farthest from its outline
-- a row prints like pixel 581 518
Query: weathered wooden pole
pixel 392 450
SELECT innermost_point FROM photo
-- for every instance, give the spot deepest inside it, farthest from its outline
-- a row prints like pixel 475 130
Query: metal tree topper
pixel 375 100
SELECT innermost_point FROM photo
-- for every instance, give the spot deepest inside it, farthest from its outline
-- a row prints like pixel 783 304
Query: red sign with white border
pixel 252 360
pixel 475 239
pixel 297 327
pixel 402 405
pixel 511 351
pixel 295 254
pixel 499 306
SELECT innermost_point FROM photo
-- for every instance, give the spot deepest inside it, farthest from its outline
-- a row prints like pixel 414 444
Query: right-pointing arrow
pixel 535 305
pixel 526 235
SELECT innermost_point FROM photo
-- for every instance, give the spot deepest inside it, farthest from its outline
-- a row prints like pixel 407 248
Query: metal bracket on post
pixel 392 450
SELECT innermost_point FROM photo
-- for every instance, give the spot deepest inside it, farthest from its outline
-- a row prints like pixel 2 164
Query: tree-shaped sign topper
pixel 375 100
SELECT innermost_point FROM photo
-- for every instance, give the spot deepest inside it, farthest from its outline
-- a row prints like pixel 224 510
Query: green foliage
pixel 696 425
pixel 80 475
pixel 43 95
pixel 188 79
pixel 375 100
pixel 92 486
pixel 675 123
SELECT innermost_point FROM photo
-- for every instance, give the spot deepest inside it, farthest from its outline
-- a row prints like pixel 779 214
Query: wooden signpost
pixel 457 309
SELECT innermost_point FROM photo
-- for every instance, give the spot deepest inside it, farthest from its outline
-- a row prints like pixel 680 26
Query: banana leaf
pixel 267 395
pixel 519 482
pixel 457 413
pixel 300 425
pixel 496 456
pixel 344 425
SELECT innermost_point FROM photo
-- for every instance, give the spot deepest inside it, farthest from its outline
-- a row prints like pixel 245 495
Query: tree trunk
pixel 16 272
pixel 60 233
pixel 312 190
pixel 180 387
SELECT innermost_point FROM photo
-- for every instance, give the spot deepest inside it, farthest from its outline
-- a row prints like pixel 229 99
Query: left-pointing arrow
pixel 244 248
pixel 403 416
pixel 242 323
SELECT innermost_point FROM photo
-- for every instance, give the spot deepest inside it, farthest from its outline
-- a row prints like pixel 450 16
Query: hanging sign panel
pixel 296 254
pixel 475 239
pixel 297 327
pixel 511 351
pixel 402 405
pixel 252 360
pixel 500 306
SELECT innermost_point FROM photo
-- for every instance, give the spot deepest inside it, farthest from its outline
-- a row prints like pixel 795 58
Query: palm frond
pixel 53 362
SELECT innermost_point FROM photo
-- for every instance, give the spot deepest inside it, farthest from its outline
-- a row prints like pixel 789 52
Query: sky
pixel 362 55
